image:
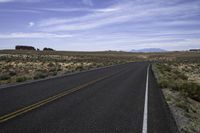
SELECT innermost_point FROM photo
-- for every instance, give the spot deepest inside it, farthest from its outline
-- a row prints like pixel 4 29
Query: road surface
pixel 118 99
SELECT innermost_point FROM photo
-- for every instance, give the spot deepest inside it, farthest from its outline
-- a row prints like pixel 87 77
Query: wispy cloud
pixel 99 17
pixel 20 11
pixel 84 26
pixel 96 15
pixel 69 9
pixel 66 9
pixel 34 35
pixel 27 1
pixel 5 1
pixel 129 12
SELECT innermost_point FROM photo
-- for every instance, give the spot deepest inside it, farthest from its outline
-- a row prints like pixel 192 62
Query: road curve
pixel 108 100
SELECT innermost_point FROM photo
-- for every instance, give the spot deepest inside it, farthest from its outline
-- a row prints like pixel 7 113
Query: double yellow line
pixel 21 111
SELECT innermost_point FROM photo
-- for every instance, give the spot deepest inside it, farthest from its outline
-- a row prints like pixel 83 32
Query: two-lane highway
pixel 108 100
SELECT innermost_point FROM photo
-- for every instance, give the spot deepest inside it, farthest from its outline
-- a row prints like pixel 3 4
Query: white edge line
pixel 144 128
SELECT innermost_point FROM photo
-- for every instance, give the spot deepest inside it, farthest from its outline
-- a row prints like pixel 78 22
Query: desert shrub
pixel 21 79
pixel 182 105
pixel 51 64
pixel 99 65
pixel 163 83
pixel 40 75
pixel 79 68
pixel 4 77
pixel 176 80
pixel 53 73
pixel 191 89
pixel 167 68
pixel 53 69
pixel 163 68
pixel 12 73
pixel 183 76
pixel 178 75
pixel 59 69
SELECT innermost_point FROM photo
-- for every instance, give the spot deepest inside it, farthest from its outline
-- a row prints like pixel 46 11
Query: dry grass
pixel 180 83
pixel 19 66
pixel 180 76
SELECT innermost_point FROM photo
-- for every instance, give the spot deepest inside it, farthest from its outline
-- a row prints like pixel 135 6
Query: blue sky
pixel 94 25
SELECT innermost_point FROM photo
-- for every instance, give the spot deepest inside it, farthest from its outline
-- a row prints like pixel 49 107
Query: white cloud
pixel 33 35
pixel 107 9
pixel 31 24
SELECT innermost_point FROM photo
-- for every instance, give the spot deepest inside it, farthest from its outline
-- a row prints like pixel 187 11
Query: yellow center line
pixel 48 100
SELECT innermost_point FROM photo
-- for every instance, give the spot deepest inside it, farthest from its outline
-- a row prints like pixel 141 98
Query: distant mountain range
pixel 147 50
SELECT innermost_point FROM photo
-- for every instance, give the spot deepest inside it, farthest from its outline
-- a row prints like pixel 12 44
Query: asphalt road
pixel 108 100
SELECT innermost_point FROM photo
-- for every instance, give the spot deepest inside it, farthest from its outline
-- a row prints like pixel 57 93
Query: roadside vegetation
pixel 20 66
pixel 23 65
pixel 180 82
